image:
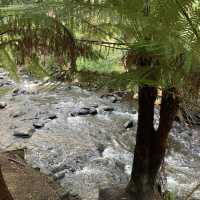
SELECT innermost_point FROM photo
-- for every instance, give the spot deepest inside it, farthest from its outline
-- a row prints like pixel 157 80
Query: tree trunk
pixel 150 143
pixel 4 192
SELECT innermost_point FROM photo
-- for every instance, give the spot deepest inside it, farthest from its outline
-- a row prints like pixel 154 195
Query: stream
pixel 84 140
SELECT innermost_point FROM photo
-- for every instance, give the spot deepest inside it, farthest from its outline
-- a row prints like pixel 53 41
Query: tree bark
pixel 4 192
pixel 150 143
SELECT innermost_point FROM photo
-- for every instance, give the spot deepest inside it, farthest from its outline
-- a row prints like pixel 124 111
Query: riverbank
pixel 85 140
pixel 26 183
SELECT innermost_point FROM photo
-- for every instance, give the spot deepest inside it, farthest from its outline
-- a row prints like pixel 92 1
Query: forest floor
pixel 26 183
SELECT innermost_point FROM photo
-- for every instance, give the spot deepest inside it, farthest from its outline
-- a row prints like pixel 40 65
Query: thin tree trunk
pixel 4 192
pixel 150 143
pixel 140 185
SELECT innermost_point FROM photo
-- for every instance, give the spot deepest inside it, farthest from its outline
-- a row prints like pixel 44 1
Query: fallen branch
pixel 192 192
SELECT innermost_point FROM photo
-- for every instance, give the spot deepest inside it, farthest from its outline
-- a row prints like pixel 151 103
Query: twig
pixel 192 192
pixel 16 161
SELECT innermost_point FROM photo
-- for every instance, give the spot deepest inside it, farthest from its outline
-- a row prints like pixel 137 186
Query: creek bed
pixel 87 152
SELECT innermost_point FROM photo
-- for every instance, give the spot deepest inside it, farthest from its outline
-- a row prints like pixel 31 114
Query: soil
pixel 26 183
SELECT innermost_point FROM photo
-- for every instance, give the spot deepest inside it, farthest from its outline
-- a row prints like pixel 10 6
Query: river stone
pixel 100 148
pixel 52 116
pixel 93 111
pixel 15 91
pixel 23 133
pixel 3 105
pixel 59 175
pixel 129 124
pixel 80 111
pixel 113 99
pixel 38 125
pixel 94 105
pixel 83 111
pixel 17 114
pixel 134 112
pixel 108 109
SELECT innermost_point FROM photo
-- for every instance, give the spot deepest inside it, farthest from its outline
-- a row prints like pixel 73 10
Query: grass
pixel 103 65
pixel 170 196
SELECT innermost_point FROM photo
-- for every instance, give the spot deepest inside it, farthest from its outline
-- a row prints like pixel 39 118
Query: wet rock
pixel 134 112
pixel 15 91
pixel 108 108
pixel 23 133
pixel 94 105
pixel 3 105
pixel 36 82
pixel 7 84
pixel 84 111
pixel 100 148
pixel 197 115
pixel 18 91
pixel 46 79
pixel 112 97
pixel 52 116
pixel 129 124
pixel 38 125
pixel 59 175
pixel 80 111
pixel 13 127
pixel 58 168
pixel 93 111
pixel 17 114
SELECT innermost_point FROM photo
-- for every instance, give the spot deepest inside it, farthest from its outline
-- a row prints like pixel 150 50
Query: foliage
pixel 170 196
pixel 107 64
pixel 74 28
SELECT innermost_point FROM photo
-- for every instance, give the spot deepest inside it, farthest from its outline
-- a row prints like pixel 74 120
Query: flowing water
pixel 88 152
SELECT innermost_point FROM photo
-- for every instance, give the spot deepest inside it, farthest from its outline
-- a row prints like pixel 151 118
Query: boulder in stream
pixel 108 108
pixel 52 116
pixel 83 111
pixel 93 111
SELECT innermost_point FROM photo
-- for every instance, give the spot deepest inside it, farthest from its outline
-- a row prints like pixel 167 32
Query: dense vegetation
pixel 153 44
